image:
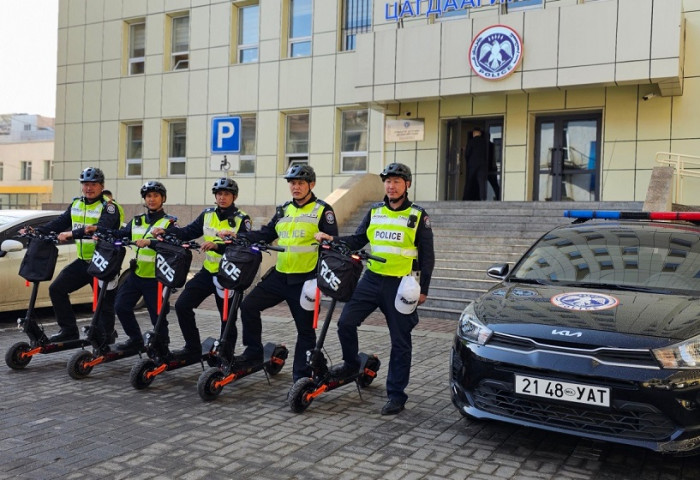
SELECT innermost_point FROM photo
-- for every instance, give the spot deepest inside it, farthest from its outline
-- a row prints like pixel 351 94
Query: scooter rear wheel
pixel 13 357
pixel 297 394
pixel 138 377
pixel 76 365
pixel 205 385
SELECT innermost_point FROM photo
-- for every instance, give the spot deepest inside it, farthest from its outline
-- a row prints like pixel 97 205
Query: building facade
pixel 576 97
pixel 26 160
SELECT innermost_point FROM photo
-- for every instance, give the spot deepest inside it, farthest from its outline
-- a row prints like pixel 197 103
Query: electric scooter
pixel 37 266
pixel 237 269
pixel 338 265
pixel 173 260
pixel 105 265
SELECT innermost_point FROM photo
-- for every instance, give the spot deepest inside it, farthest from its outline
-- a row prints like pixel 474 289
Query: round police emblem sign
pixel 584 301
pixel 495 52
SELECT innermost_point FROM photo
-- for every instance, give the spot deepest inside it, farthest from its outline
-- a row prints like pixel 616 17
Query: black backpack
pixel 172 264
pixel 337 275
pixel 106 262
pixel 238 267
pixel 39 262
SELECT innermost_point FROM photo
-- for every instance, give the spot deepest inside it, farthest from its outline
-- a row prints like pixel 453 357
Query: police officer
pixel 225 216
pixel 399 231
pixel 142 281
pixel 89 209
pixel 295 223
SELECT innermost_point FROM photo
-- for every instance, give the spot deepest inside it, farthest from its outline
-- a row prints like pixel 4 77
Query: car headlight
pixel 681 355
pixel 470 327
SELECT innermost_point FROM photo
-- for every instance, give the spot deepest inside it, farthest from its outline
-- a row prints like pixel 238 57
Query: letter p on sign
pixel 226 135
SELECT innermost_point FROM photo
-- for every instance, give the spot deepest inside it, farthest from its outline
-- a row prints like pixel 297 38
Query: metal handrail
pixel 683 165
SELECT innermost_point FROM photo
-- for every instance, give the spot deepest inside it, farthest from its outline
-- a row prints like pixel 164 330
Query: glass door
pixel 567 152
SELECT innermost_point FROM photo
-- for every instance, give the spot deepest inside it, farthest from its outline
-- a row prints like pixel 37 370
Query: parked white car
pixel 15 293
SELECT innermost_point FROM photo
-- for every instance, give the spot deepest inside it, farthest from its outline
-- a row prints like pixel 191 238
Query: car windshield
pixel 641 256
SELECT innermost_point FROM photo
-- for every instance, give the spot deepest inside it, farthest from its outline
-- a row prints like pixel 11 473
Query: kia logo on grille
pixel 566 333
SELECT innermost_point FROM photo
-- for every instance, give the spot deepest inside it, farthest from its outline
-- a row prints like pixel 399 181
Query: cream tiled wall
pixel 418 67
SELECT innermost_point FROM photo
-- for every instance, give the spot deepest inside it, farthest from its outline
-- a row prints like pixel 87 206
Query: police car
pixel 595 333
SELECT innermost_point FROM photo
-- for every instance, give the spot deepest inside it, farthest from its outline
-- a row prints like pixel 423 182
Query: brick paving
pixel 99 427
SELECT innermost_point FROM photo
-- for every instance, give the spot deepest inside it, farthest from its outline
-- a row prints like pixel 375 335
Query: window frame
pixel 350 32
pixel 241 47
pixel 25 170
pixel 185 61
pixel 2 171
pixel 296 158
pixel 133 61
pixel 133 161
pixel 295 41
pixel 353 153
pixel 512 5
pixel 48 169
pixel 176 160
pixel 245 155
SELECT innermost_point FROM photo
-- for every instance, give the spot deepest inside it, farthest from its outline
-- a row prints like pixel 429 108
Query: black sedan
pixel 595 333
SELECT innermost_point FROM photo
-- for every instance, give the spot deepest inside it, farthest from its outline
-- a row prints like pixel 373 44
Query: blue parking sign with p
pixel 226 135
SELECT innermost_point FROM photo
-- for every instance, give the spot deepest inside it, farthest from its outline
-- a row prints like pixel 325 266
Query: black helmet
pixel 92 174
pixel 300 172
pixel 153 186
pixel 396 170
pixel 226 184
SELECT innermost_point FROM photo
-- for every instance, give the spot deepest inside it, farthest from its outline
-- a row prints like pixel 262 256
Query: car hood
pixel 523 310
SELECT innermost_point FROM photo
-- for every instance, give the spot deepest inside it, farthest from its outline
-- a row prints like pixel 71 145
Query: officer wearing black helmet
pixel 295 223
pixel 142 281
pixel 91 208
pixel 224 217
pixel 399 231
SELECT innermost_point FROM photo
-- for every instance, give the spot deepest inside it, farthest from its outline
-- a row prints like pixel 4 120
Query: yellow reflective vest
pixel 146 257
pixel 295 232
pixel 212 226
pixel 392 235
pixel 83 214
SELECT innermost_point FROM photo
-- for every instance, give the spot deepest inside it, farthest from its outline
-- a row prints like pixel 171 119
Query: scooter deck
pixel 61 346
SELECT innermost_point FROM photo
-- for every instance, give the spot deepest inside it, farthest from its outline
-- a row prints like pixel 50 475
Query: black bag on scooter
pixel 172 264
pixel 337 275
pixel 238 267
pixel 106 262
pixel 39 262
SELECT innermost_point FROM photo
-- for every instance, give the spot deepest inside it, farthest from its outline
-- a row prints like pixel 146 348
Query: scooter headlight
pixel 471 329
pixel 681 355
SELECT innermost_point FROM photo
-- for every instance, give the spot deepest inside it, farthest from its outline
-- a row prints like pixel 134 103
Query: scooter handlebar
pixel 33 233
pixel 343 249
pixel 244 242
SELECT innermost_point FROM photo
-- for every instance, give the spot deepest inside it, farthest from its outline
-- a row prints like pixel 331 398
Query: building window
pixel 25 171
pixel 297 139
pixel 180 42
pixel 515 5
pixel 357 18
pixel 300 25
pixel 48 169
pixel 137 48
pixel 177 147
pixel 247 155
pixel 2 171
pixel 248 33
pixel 353 148
pixel 134 155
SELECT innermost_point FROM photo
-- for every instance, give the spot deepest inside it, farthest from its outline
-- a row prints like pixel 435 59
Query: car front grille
pixel 604 355
pixel 631 420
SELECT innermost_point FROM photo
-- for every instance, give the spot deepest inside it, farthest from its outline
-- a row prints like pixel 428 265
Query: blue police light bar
pixel 616 215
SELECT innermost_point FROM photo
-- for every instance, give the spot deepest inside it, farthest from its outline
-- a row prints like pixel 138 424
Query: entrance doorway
pixel 459 133
pixel 567 153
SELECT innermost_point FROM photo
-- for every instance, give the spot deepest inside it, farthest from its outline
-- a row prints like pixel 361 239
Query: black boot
pixel 65 334
pixel 131 343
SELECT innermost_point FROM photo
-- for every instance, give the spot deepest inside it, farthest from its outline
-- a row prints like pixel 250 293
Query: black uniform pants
pixel 272 291
pixel 195 292
pixel 73 277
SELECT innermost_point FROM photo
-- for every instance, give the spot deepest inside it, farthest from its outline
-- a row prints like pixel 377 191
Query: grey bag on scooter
pixel 106 262
pixel 39 262
pixel 337 275
pixel 172 264
pixel 238 267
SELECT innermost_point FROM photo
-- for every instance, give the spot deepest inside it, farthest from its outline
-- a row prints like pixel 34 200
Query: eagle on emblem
pixel 494 51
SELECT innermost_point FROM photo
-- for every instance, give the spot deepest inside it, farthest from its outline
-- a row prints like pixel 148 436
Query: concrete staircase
pixel 471 236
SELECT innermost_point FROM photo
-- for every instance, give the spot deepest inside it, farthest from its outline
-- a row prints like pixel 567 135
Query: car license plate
pixel 565 391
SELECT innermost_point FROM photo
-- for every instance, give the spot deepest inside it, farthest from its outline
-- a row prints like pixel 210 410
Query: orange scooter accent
pixel 156 371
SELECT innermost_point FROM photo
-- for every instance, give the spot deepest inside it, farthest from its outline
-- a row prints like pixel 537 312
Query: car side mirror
pixel 11 246
pixel 498 271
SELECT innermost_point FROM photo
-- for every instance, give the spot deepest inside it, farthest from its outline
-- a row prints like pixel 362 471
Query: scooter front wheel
pixel 76 365
pixel 205 385
pixel 298 400
pixel 138 376
pixel 14 358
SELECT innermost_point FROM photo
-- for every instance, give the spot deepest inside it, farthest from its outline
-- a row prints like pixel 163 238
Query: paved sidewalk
pixel 100 427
